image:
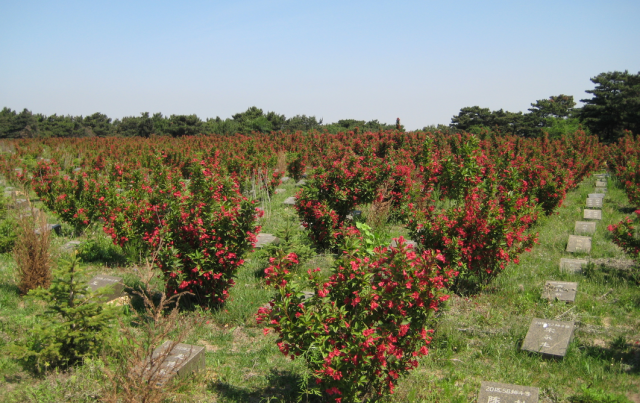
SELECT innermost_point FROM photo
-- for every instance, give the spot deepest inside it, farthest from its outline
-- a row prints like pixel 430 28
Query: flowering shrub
pixel 366 326
pixel 625 235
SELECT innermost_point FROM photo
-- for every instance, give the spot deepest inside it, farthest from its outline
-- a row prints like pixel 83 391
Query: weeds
pixel 31 251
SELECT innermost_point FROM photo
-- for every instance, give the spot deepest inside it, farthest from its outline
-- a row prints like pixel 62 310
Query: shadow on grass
pixel 627 210
pixel 8 289
pixel 628 354
pixel 283 386
pixel 610 269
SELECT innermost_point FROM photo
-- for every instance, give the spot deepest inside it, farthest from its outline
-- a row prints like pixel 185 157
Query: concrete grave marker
pixel 57 228
pixel 549 337
pixel 290 201
pixel 265 239
pixel 103 280
pixel 394 243
pixel 572 265
pixel 493 392
pixel 278 191
pixel 601 190
pixel 353 213
pixel 301 182
pixel 181 361
pixel 596 195
pixel 601 183
pixel 585 227
pixel 560 290
pixel 284 179
pixel 595 202
pixel 70 246
pixel 577 243
pixel 592 214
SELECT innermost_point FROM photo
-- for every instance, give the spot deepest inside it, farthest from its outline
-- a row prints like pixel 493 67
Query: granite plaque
pixel 592 214
pixel 182 360
pixel 290 201
pixel 278 191
pixel 596 195
pixel 579 244
pixel 560 290
pixel 549 337
pixel 301 182
pixel 102 281
pixel 394 243
pixel 585 227
pixel 284 179
pixel 601 190
pixel 70 246
pixel 265 239
pixel 595 202
pixel 493 392
pixel 353 213
pixel 572 265
pixel 57 228
pixel 601 183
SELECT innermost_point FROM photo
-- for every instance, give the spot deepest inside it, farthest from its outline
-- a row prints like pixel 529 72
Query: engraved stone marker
pixel 102 280
pixel 572 265
pixel 183 360
pixel 601 190
pixel 284 179
pixel 549 337
pixel 265 239
pixel 596 202
pixel 51 227
pixel 493 392
pixel 301 182
pixel 581 244
pixel 278 191
pixel 592 214
pixel 585 227
pixel 290 201
pixel 353 213
pixel 596 195
pixel 409 242
pixel 560 290
pixel 71 245
pixel 601 183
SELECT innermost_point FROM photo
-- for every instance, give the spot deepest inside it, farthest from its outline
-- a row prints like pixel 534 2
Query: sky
pixel 421 61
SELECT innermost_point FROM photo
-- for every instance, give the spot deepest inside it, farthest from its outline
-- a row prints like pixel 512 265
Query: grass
pixel 477 338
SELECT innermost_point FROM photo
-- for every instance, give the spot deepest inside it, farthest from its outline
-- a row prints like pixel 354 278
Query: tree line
pixel 613 108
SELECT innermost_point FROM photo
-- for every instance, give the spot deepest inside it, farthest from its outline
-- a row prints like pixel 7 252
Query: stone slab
pixel 394 243
pixel 601 189
pixel 71 245
pixel 181 361
pixel 592 214
pixel 278 191
pixel 585 227
pixel 266 239
pixel 594 203
pixel 57 228
pixel 596 195
pixel 284 179
pixel 601 183
pixel 572 265
pixel 548 337
pixel 579 244
pixel 560 290
pixel 493 392
pixel 102 280
pixel 354 213
pixel 290 201
pixel 301 182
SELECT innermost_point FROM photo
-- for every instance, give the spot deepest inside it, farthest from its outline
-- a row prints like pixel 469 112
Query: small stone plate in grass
pixel 301 182
pixel 585 227
pixel 70 246
pixel 594 202
pixel 580 244
pixel 265 239
pixel 181 361
pixel 596 195
pixel 394 243
pixel 278 191
pixel 601 189
pixel 290 201
pixel 560 290
pixel 572 265
pixel 506 393
pixel 284 179
pixel 549 337
pixel 592 214
pixel 601 183
pixel 102 280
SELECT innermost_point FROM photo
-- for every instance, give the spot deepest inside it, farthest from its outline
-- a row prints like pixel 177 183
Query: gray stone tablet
pixel 278 191
pixel 70 246
pixel 301 182
pixel 601 183
pixel 353 213
pixel 493 392
pixel 594 203
pixel 592 214
pixel 560 290
pixel 284 179
pixel 596 195
pixel 579 244
pixel 585 227
pixel 181 361
pixel 601 190
pixel 290 201
pixel 409 242
pixel 572 265
pixel 549 337
pixel 265 239
pixel 103 280
pixel 57 228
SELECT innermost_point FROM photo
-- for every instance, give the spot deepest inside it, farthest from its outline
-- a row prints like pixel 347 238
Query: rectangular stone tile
pixel 596 195
pixel 592 214
pixel 278 191
pixel 181 361
pixel 601 183
pixel 572 265
pixel 493 392
pixel 594 203
pixel 265 239
pixel 301 182
pixel 284 179
pixel 290 201
pixel 585 227
pixel 549 337
pixel 601 189
pixel 102 280
pixel 560 290
pixel 577 243
pixel 394 243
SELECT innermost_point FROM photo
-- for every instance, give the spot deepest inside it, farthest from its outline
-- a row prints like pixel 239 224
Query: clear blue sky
pixel 418 60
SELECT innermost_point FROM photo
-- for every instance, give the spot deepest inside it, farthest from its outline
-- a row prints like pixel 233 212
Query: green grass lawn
pixel 476 338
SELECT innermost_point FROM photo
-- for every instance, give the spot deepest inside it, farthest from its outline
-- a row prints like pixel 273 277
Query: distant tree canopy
pixel 615 105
